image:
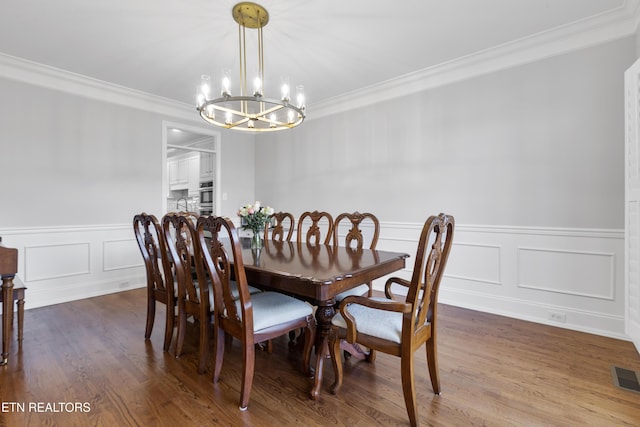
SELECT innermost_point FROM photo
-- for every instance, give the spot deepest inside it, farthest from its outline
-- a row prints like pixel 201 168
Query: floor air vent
pixel 626 379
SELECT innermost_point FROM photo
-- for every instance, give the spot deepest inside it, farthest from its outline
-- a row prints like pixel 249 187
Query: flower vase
pixel 256 240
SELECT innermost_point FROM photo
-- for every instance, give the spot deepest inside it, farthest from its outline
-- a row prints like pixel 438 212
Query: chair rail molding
pixel 486 270
pixel 565 277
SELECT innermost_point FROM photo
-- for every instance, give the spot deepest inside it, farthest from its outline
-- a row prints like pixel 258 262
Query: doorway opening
pixel 191 169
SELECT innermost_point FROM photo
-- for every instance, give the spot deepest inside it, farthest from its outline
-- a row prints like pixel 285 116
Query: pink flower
pixel 250 211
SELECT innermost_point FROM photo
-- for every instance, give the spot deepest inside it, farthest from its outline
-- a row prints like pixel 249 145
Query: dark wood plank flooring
pixel 495 371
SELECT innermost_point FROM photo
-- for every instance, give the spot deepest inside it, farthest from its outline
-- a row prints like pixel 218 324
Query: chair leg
pixel 151 316
pixel 432 363
pixel 20 320
pixel 168 333
pixel 409 388
pixel 203 346
pixel 218 352
pixel 248 365
pixel 334 350
pixel 182 327
pixel 371 357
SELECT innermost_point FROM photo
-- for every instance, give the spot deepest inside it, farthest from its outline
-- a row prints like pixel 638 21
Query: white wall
pixel 78 159
pixel 529 160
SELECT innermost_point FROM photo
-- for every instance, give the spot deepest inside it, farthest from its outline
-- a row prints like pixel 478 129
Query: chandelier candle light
pixel 250 112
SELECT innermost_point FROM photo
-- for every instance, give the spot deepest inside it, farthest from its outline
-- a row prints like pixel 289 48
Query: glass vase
pixel 256 240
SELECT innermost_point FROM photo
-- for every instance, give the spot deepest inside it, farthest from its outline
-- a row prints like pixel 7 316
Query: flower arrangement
pixel 254 217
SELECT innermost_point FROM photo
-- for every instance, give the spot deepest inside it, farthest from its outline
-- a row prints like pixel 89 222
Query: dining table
pixel 316 273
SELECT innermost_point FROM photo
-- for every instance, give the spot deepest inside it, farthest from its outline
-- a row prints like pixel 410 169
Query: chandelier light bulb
pixel 226 86
pixel 284 89
pixel 211 112
pixel 273 120
pixel 205 90
pixel 300 96
pixel 257 87
pixel 205 87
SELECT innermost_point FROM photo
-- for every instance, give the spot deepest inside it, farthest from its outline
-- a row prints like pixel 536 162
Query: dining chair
pixel 355 239
pixel 320 229
pixel 278 232
pixel 251 318
pixel 160 285
pixel 400 327
pixel 194 298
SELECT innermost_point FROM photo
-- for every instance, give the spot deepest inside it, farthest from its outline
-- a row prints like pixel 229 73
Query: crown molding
pixel 25 71
pixel 595 30
pixel 608 26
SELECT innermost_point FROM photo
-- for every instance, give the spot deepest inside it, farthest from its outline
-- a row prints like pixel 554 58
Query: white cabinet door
pixel 172 171
pixel 194 175
pixel 178 174
pixel 206 166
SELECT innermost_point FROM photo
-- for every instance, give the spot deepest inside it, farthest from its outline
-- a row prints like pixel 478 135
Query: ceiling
pixel 331 46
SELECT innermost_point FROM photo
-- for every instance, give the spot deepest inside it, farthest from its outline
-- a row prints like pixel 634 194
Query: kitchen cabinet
pixel 194 176
pixel 184 174
pixel 207 166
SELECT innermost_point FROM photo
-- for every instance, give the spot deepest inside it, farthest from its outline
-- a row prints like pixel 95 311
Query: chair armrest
pixel 391 281
pixel 397 306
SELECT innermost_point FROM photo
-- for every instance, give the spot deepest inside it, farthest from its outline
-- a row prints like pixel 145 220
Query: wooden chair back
pixel 431 258
pixel 354 237
pixel 320 228
pixel 223 264
pixel 350 225
pixel 160 285
pixel 193 288
pixel 176 228
pixel 277 232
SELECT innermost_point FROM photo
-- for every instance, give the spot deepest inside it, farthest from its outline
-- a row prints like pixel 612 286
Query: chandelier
pixel 250 112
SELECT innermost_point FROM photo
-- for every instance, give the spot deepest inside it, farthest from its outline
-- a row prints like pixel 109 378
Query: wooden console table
pixel 8 270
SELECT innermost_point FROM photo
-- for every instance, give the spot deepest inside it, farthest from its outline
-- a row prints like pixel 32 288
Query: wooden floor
pixel 87 363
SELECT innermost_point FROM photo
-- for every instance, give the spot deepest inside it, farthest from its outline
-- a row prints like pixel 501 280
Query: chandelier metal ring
pixel 246 112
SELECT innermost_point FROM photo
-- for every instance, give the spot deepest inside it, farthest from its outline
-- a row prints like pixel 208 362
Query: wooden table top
pixel 316 272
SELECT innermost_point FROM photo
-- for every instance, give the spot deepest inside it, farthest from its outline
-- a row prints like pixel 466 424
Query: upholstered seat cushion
pixel 234 292
pixel 357 291
pixel 273 308
pixel 378 323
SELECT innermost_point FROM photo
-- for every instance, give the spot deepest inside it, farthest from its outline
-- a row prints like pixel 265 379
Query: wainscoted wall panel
pixel 587 274
pixel 60 264
pixel 53 261
pixel 121 254
pixel 570 278
pixel 474 262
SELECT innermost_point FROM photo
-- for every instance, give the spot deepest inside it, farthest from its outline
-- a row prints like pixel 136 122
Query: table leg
pixel 324 313
pixel 7 316
pixel 20 305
